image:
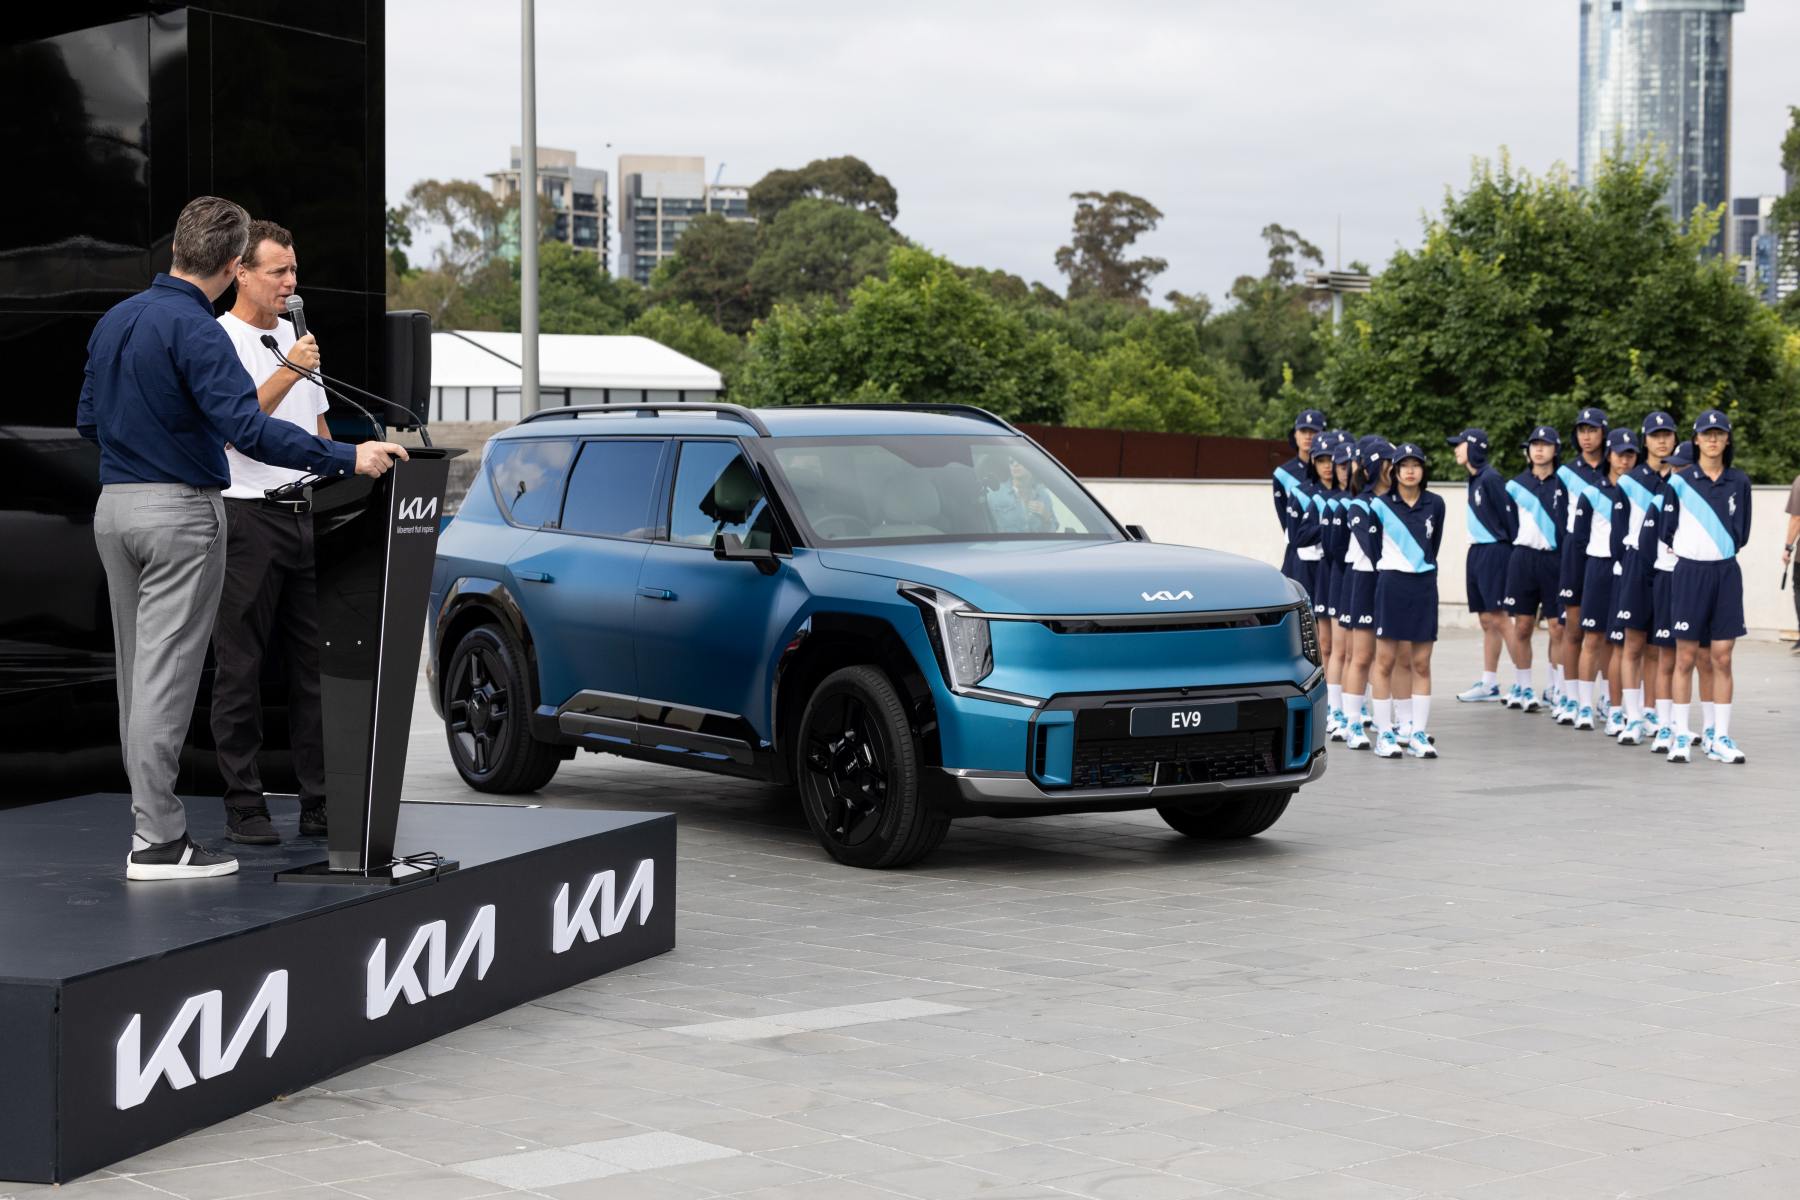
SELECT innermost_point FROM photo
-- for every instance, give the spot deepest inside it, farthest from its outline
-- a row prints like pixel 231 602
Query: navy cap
pixel 1658 422
pixel 1621 441
pixel 1477 438
pixel 1406 450
pixel 1343 451
pixel 1312 419
pixel 1681 456
pixel 1712 418
pixel 1592 416
pixel 1323 447
pixel 1377 449
pixel 1545 433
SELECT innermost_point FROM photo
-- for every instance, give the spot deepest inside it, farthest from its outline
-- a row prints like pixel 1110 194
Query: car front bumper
pixel 972 793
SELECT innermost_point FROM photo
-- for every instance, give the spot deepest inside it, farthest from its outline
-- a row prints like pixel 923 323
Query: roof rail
pixel 650 409
pixel 967 410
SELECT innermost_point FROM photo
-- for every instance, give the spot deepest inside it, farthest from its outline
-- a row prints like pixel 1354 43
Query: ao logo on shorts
pixel 1681 627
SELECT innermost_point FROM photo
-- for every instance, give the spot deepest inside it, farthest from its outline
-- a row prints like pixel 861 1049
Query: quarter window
pixel 611 488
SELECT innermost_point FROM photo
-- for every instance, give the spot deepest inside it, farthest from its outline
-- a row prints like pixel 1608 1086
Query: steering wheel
pixel 842 525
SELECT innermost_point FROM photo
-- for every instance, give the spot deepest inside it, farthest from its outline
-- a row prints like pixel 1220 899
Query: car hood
pixel 1075 577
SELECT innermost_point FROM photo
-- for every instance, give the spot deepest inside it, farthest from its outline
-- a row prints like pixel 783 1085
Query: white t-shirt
pixel 304 404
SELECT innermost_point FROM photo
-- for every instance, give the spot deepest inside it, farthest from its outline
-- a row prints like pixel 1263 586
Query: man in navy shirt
pixel 164 394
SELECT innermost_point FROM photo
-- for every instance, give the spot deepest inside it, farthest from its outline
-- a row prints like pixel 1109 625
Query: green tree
pixel 399 236
pixel 710 270
pixel 687 330
pixel 1129 387
pixel 1786 217
pixel 1106 226
pixel 1270 332
pixel 575 296
pixel 818 248
pixel 1530 297
pixel 845 180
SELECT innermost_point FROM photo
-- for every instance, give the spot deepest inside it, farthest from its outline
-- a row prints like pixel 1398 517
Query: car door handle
pixel 534 576
pixel 651 593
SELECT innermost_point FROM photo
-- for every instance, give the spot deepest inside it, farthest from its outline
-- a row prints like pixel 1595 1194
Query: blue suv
pixel 907 613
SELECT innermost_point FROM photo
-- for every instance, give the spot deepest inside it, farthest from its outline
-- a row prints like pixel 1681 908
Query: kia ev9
pixel 907 614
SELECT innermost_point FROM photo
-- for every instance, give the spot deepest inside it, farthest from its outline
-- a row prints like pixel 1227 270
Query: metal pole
pixel 528 219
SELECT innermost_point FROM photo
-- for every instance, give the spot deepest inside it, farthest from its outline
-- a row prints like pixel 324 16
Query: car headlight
pixel 964 648
pixel 1309 625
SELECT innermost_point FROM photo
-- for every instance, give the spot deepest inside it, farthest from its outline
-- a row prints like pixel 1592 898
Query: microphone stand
pixel 325 381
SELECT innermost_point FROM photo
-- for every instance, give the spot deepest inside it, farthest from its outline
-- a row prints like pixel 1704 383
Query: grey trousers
pixel 163 548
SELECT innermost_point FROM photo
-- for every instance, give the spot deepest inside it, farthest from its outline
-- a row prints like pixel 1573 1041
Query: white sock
pixel 1421 710
pixel 1710 711
pixel 1557 678
pixel 1602 694
pixel 1490 679
pixel 1584 691
pixel 1664 713
pixel 1369 699
pixel 1384 714
pixel 1634 704
pixel 1722 720
pixel 1681 721
pixel 1403 722
pixel 1334 696
pixel 1536 673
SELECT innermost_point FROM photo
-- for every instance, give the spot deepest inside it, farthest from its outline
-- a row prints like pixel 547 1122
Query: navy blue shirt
pixel 1538 506
pixel 165 391
pixel 1710 519
pixel 1490 512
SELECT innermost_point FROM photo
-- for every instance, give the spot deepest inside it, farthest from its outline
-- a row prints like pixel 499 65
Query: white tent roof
pixel 566 360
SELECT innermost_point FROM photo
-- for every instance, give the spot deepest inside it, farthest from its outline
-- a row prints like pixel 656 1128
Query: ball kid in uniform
pixel 1323 483
pixel 1348 484
pixel 1290 478
pixel 1492 525
pixel 1539 502
pixel 1406 597
pixel 1711 524
pixel 1662 634
pixel 1587 470
pixel 1602 516
pixel 1356 600
pixel 1633 606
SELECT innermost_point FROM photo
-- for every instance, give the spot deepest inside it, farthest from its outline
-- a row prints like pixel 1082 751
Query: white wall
pixel 1239 516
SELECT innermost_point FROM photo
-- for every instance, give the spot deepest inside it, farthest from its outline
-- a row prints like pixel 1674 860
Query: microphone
pixel 296 308
pixel 268 339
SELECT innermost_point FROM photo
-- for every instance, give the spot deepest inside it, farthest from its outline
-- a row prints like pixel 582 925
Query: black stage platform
pixel 146 1010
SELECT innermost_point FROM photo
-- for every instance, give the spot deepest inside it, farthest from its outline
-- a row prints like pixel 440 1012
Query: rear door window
pixel 612 488
pixel 528 475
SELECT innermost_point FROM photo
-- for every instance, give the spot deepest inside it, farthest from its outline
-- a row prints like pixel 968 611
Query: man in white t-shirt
pixel 268 599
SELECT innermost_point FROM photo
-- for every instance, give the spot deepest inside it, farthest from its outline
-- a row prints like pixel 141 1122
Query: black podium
pixel 377 539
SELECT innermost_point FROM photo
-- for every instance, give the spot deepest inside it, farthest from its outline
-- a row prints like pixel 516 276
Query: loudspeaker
pixel 406 333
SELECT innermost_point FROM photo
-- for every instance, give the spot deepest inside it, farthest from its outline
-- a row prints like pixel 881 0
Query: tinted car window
pixel 716 492
pixel 528 477
pixel 611 488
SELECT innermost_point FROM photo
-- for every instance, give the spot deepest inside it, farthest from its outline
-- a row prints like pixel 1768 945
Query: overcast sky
pixel 986 114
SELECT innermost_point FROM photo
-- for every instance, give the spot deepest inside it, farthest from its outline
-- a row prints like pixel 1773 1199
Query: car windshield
pixel 871 490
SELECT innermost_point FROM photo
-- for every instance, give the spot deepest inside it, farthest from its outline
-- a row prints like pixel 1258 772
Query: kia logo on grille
pixel 1184 594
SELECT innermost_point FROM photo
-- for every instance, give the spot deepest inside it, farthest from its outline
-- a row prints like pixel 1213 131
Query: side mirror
pixel 1136 533
pixel 731 548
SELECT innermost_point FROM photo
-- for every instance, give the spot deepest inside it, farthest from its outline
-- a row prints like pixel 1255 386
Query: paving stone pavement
pixel 1540 967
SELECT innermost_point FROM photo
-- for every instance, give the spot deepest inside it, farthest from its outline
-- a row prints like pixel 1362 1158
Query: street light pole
pixel 528 218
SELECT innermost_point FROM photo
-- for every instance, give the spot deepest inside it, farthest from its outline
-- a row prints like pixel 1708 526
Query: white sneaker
pixel 1334 725
pixel 1615 722
pixel 1681 748
pixel 1665 737
pixel 1511 699
pixel 1528 702
pixel 1480 693
pixel 1584 718
pixel 1356 736
pixel 182 858
pixel 1387 745
pixel 1633 734
pixel 1724 750
pixel 1706 741
pixel 1419 746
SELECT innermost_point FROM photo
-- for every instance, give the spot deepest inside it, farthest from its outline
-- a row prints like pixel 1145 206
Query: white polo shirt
pixel 304 404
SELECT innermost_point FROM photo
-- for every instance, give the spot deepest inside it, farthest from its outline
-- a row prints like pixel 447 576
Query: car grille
pixel 1163 761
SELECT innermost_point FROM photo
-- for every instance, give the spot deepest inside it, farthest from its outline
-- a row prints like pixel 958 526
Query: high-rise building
pixel 1657 73
pixel 1750 239
pixel 659 195
pixel 580 209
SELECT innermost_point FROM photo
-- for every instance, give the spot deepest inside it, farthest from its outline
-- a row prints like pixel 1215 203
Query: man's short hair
pixel 265 231
pixel 209 233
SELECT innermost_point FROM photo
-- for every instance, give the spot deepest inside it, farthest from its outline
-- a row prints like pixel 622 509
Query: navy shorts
pixel 1485 575
pixel 1568 584
pixel 1662 592
pixel 1356 608
pixel 1406 606
pixel 1631 600
pixel 1597 584
pixel 1325 599
pixel 1306 574
pixel 1531 583
pixel 1707 600
pixel 1291 566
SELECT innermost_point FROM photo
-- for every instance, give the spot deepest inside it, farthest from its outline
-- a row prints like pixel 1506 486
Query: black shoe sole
pixel 254 839
pixel 313 831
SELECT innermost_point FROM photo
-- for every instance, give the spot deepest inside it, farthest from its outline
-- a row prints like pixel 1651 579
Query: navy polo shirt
pixel 165 391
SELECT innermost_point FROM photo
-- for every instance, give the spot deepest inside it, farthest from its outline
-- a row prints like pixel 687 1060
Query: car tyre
pixel 856 761
pixel 1239 816
pixel 487 706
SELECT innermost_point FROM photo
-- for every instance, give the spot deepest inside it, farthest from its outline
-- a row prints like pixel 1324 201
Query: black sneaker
pixel 182 858
pixel 250 826
pixel 312 821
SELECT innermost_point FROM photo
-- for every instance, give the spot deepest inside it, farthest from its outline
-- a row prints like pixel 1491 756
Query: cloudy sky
pixel 986 114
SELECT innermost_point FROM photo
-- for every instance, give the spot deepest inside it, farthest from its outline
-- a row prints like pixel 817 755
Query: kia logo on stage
pixel 613 914
pixel 136 1076
pixel 418 508
pixel 1184 594
pixel 431 940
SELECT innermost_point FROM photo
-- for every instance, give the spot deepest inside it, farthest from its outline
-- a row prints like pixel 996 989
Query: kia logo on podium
pixel 431 940
pixel 418 508
pixel 613 915
pixel 135 1077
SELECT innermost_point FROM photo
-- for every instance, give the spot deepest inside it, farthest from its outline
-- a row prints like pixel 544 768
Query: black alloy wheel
pixel 486 702
pixel 857 763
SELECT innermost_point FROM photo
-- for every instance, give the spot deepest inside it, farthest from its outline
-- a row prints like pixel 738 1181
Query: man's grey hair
pixel 209 233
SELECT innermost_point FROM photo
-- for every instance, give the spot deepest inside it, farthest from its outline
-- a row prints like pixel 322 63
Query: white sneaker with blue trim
pixel 1681 748
pixel 1511 699
pixel 1706 741
pixel 1615 722
pixel 1724 750
pixel 1665 737
pixel 1419 746
pixel 1356 736
pixel 1634 733
pixel 1387 745
pixel 1584 717
pixel 1480 693
pixel 1528 701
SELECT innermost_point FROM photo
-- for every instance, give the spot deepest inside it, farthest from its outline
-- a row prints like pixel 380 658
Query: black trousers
pixel 269 602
